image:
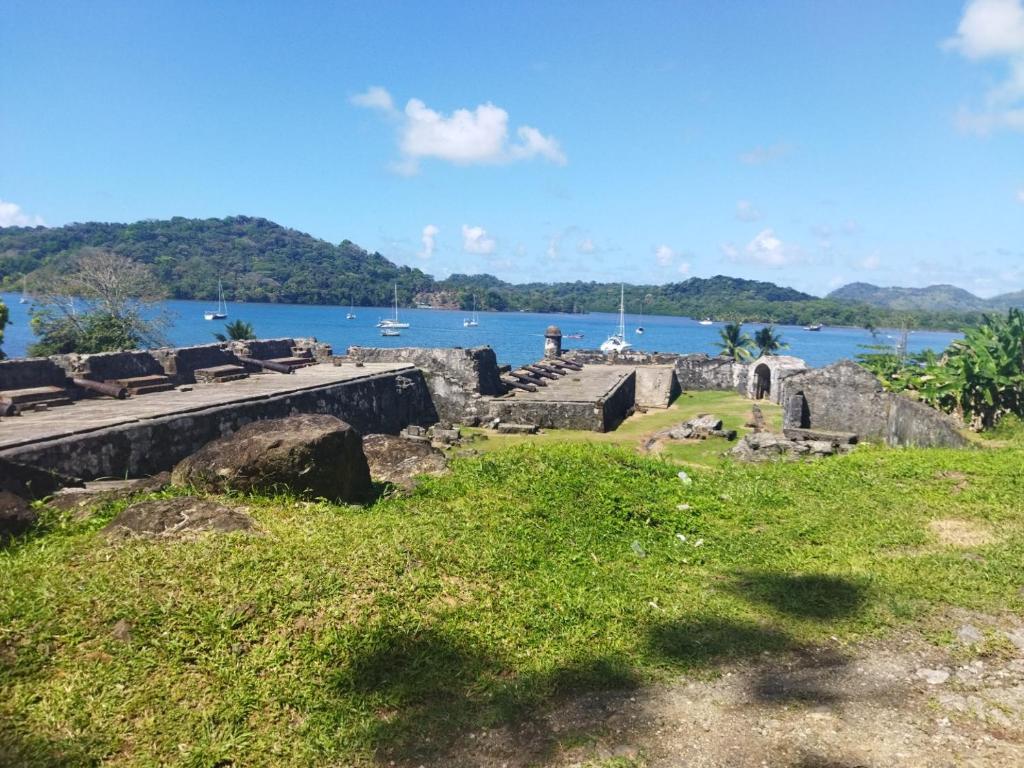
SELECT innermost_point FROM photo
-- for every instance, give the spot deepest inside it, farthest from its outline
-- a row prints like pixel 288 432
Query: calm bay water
pixel 517 337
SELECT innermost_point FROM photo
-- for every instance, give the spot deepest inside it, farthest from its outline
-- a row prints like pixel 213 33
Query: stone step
pixel 836 438
pixel 505 428
pixel 221 373
pixel 30 395
pixel 143 385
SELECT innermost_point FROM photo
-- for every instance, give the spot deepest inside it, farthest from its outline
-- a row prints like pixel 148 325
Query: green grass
pixel 351 636
pixel 634 431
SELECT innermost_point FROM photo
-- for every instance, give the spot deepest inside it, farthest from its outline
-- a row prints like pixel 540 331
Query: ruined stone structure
pixel 458 379
pixel 844 397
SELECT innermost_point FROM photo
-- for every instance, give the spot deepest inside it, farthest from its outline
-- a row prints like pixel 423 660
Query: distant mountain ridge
pixel 943 298
pixel 261 261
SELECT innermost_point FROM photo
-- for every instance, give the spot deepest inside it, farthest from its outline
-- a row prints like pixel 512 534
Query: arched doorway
pixel 762 382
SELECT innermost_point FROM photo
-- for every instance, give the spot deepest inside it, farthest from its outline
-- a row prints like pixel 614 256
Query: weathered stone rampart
pixel 844 397
pixel 457 378
pixel 379 402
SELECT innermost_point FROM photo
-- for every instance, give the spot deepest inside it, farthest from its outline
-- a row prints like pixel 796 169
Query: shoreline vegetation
pixel 259 261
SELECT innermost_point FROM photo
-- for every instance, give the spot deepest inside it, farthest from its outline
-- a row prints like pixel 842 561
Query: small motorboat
pixel 707 321
pixel 390 332
pixel 813 327
pixel 576 335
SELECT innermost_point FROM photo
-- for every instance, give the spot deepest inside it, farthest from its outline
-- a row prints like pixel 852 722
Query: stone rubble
pixel 765 446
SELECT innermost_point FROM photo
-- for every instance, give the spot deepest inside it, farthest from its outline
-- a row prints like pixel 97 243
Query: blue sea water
pixel 517 337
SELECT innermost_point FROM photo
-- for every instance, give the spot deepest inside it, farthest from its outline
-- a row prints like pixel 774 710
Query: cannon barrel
pixel 110 390
pixel 269 365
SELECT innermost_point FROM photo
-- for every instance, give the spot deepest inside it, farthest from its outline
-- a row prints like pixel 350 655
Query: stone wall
pixel 457 378
pixel 104 366
pixel 181 363
pixel 602 415
pixel 779 368
pixel 844 397
pixel 382 403
pixel 703 372
pixel 28 372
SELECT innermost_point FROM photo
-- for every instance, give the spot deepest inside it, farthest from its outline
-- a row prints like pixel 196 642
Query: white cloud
pixel 990 28
pixel 11 215
pixel 745 211
pixel 766 249
pixel 664 255
pixel 554 246
pixel 476 240
pixel 375 97
pixel 478 136
pixel 1020 195
pixel 586 245
pixel 683 268
pixel 427 238
pixel 760 155
pixel 870 262
pixel 993 29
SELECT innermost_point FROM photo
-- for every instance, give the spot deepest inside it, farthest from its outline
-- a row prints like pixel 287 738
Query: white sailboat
pixel 222 308
pixel 387 322
pixel 617 341
pixel 471 321
pixel 640 326
pixel 350 315
pixel 24 291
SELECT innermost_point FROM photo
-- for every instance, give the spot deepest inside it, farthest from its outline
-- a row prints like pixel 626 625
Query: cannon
pixel 101 387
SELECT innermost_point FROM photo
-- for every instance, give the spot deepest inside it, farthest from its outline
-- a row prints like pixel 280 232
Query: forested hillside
pixel 942 298
pixel 261 261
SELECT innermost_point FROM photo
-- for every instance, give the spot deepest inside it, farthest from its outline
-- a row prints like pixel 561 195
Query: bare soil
pixel 902 701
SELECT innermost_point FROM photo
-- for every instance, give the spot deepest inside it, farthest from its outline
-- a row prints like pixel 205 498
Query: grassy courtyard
pixel 540 570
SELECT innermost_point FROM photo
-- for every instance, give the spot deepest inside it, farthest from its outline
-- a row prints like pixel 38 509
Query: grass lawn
pixel 351 636
pixel 632 433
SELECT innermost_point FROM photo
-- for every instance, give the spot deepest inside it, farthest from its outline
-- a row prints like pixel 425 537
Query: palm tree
pixel 237 330
pixel 735 343
pixel 769 342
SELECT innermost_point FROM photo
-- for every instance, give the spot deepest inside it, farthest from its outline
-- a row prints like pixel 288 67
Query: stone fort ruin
pixel 132 414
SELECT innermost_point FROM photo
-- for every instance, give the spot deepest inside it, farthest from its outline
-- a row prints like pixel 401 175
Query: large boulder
pixel 179 517
pixel 309 454
pixel 16 516
pixel 399 460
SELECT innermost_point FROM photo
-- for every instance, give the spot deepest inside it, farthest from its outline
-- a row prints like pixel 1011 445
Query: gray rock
pixel 820 447
pixel 177 518
pixel 933 676
pixel 400 461
pixel 968 634
pixel 310 454
pixel 94 494
pixel 16 516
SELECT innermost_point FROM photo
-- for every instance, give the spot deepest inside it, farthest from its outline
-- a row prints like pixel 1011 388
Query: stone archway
pixel 762 382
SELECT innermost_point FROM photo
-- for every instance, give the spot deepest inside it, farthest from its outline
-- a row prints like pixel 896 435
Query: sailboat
pixel 222 308
pixel 617 341
pixel 640 327
pixel 24 291
pixel 471 321
pixel 387 322
pixel 350 315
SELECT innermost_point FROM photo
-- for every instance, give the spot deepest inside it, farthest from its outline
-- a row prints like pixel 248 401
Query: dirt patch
pixel 903 701
pixel 957 532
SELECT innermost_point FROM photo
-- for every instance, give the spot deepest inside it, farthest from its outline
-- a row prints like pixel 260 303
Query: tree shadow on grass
pixel 426 689
pixel 699 642
pixel 806 596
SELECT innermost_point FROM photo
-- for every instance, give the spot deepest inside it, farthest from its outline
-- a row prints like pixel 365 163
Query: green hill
pixel 942 298
pixel 260 261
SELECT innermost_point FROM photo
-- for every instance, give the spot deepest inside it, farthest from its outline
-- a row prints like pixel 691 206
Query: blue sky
pixel 807 143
